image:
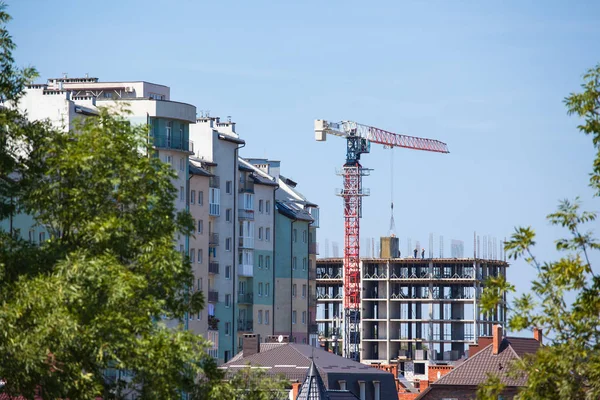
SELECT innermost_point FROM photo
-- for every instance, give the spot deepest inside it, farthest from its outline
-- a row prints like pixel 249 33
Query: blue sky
pixel 488 78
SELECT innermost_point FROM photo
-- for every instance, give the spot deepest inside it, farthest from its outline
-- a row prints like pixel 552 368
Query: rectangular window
pixel 294 290
pixel 260 287
pixel 200 226
pixel 294 263
pixel 228 244
pixel 200 198
pixel 294 317
pixel 199 284
pixel 200 256
pixel 268 234
pixel 304 264
pixel 227 300
pixel 242 288
pixel 260 206
pixel 192 255
pixel 267 317
pixel 260 261
pixel 228 215
pixel 42 237
pixel 268 207
pixel 304 236
pixel 304 317
pixel 248 201
pixel 227 331
pixel 31 236
pixel 181 194
pixel 260 230
pixel 295 236
pixel 260 316
pixel 303 291
pixel 268 262
pixel 267 289
pixel 181 164
pixel 192 197
pixel 169 158
pixel 228 187
pixel 228 272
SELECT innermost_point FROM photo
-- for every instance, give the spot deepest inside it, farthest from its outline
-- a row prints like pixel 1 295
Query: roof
pixel 341 395
pixel 261 180
pixel 196 169
pixel 475 370
pixel 263 347
pixel 231 139
pixel 291 210
pixel 313 387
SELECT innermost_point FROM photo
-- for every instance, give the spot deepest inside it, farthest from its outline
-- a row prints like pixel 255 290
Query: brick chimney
pixel 537 334
pixel 251 344
pixel 295 390
pixel 496 338
pixel 482 342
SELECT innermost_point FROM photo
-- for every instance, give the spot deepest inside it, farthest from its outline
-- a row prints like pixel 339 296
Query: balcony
pixel 246 214
pixel 213 323
pixel 313 248
pixel 213 297
pixel 245 298
pixel 213 267
pixel 246 270
pixel 213 239
pixel 246 243
pixel 313 328
pixel 171 142
pixel 214 209
pixel 247 187
pixel 214 182
pixel 244 325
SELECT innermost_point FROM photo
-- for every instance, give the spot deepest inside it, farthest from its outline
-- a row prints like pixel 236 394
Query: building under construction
pixel 414 311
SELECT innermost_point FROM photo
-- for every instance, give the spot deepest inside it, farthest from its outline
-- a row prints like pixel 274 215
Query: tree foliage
pixel 81 313
pixel 568 366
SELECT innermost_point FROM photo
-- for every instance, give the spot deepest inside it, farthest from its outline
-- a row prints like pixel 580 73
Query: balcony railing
pixel 245 298
pixel 246 214
pixel 213 239
pixel 246 243
pixel 213 323
pixel 213 297
pixel 214 182
pixel 213 268
pixel 214 209
pixel 247 187
pixel 313 328
pixel 173 142
pixel 313 248
pixel 244 325
pixel 246 270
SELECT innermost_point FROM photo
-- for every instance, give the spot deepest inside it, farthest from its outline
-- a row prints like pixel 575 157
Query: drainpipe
pixel 292 277
pixel 234 222
pixel 308 284
pixel 273 265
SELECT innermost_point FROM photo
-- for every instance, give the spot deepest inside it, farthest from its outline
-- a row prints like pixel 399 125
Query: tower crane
pixel 358 141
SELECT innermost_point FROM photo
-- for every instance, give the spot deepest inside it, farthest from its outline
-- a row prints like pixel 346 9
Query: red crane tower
pixel 359 138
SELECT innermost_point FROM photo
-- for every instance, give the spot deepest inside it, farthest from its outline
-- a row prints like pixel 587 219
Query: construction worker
pixel 416 252
pixel 423 253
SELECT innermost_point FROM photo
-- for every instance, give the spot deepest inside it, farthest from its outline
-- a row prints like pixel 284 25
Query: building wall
pixel 462 393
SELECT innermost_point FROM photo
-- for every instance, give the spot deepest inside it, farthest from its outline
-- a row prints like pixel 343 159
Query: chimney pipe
pixel 251 344
pixel 537 335
pixel 496 339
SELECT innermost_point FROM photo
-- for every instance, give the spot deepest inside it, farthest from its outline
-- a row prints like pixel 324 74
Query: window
pixel 260 261
pixel 294 317
pixel 200 226
pixel 228 272
pixel 31 235
pixel 304 264
pixel 228 244
pixel 228 186
pixel 192 255
pixel 294 290
pixel 227 300
pixel 260 230
pixel 268 207
pixel 267 289
pixel 267 317
pixel 227 332
pixel 304 236
pixel 419 368
pixel 242 288
pixel 181 164
pixel 199 285
pixel 303 291
pixel 294 263
pixel 295 235
pixel 304 317
pixel 248 203
pixel 107 95
pixel 260 287
pixel 192 197
pixel 200 198
pixel 268 262
pixel 169 159
pixel 268 234
pixel 260 206
pixel 181 194
pixel 260 316
pixel 42 237
pixel 228 215
pixel 200 256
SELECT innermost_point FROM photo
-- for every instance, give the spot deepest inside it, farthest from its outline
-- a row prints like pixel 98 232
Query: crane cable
pixel 392 223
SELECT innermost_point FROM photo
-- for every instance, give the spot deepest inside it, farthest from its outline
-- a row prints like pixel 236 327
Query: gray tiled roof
pixel 312 388
pixel 341 395
pixel 475 369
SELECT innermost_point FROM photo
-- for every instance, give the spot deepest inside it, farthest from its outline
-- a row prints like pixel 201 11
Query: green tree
pixel 568 366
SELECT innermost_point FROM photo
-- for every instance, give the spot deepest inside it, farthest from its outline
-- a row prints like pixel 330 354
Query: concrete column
pixel 342 385
pixel 377 393
pixel 363 395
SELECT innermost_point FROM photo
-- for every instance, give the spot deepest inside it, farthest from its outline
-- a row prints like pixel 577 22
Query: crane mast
pixel 358 141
